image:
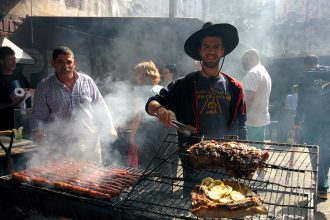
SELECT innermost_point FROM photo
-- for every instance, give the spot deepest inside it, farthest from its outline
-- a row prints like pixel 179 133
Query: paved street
pixel 323 209
pixel 323 206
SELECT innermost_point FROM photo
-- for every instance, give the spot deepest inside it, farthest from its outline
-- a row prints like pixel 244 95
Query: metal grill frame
pixel 288 189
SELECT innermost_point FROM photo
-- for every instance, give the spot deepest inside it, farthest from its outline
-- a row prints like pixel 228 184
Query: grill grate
pixel 49 201
pixel 287 188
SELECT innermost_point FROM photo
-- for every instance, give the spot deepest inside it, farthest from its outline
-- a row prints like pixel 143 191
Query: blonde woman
pixel 145 132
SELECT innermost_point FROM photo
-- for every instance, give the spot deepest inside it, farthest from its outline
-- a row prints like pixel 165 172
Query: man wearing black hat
pixel 210 101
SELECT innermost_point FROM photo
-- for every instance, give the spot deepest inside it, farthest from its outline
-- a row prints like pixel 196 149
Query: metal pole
pixel 172 8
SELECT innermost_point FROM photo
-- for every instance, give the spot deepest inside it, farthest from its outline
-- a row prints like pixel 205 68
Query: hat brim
pixel 227 32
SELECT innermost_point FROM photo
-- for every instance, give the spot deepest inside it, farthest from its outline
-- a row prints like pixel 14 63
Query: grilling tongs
pixel 182 128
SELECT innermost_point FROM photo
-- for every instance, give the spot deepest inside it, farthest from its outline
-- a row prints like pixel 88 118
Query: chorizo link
pixel 21 177
pixel 98 195
pixel 124 182
pixel 78 189
pixel 40 181
pixel 93 186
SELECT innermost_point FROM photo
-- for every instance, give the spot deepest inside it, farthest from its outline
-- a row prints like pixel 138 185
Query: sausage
pixel 77 189
pixel 89 185
pixel 99 195
pixel 21 177
pixel 124 182
pixel 119 171
pixel 29 178
pixel 132 179
pixel 62 185
pixel 107 191
pixel 40 181
pixel 98 188
pixel 115 190
pixel 119 186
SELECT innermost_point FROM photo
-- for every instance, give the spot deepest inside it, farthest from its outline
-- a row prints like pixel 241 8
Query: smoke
pixel 120 102
pixel 77 136
pixel 107 49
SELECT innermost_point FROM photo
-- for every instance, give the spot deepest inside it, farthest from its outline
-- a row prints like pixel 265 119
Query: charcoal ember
pixel 235 158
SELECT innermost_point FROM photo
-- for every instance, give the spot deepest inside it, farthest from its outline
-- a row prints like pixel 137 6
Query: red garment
pixel 133 157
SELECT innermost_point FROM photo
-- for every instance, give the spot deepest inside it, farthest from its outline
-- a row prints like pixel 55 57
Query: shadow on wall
pixel 6 6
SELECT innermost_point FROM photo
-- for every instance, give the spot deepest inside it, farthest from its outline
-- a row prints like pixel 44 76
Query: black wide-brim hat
pixel 227 32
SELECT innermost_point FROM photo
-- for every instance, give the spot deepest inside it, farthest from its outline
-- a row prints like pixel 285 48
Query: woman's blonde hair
pixel 149 70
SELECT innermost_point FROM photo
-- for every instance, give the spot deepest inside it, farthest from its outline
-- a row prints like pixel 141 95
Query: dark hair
pixel 5 51
pixel 172 68
pixel 62 50
pixel 311 60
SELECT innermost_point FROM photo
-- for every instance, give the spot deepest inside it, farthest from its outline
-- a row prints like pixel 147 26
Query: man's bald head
pixel 250 58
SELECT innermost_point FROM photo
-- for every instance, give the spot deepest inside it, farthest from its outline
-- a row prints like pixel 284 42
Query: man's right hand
pixel 165 116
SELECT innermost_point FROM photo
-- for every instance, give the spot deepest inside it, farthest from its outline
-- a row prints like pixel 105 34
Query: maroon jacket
pixel 182 93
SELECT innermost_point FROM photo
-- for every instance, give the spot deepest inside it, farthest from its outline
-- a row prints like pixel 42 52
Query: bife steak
pixel 235 158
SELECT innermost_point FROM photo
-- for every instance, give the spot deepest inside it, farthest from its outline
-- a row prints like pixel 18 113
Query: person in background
pixel 209 101
pixel 288 116
pixel 9 80
pixel 169 74
pixel 146 134
pixel 292 99
pixel 257 87
pixel 313 108
pixel 69 113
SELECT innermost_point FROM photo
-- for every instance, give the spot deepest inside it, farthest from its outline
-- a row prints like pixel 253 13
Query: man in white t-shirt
pixel 257 87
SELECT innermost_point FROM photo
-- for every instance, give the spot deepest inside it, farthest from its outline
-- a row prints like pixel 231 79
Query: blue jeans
pixel 256 133
pixel 324 161
pixel 319 135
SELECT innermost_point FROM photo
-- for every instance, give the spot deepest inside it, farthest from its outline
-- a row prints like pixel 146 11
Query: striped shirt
pixel 83 106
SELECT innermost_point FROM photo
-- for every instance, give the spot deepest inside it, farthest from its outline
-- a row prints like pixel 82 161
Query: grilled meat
pixel 80 177
pixel 235 158
pixel 225 199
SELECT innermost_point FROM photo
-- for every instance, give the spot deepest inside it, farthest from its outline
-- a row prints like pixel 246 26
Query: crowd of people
pixel 69 110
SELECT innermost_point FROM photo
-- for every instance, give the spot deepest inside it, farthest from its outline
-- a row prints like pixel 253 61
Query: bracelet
pixel 161 106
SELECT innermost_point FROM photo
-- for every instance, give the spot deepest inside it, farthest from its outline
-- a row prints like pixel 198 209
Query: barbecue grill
pixel 287 189
pixel 50 201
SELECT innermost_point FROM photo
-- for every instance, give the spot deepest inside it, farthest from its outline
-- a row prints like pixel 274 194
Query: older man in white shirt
pixel 257 87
